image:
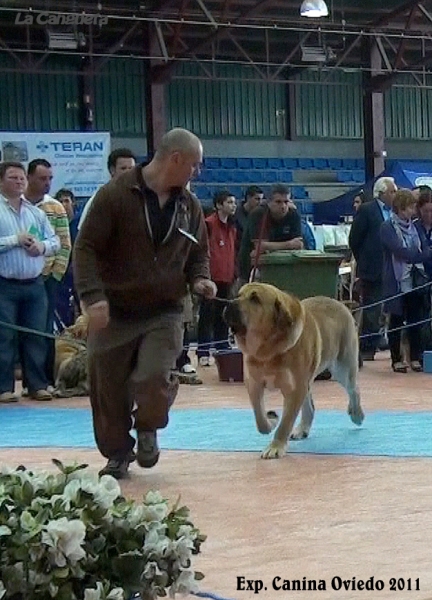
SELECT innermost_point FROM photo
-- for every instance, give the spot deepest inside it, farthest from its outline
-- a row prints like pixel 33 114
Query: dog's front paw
pixel 299 434
pixel 356 414
pixel 274 450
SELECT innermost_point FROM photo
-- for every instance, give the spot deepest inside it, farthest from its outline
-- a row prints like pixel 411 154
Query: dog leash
pixel 263 227
pixel 50 336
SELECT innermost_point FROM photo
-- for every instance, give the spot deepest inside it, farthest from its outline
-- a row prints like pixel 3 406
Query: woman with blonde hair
pixel 403 271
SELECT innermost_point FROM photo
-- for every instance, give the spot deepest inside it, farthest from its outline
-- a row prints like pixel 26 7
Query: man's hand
pixel 98 315
pixel 35 248
pixel 296 244
pixel 25 239
pixel 206 288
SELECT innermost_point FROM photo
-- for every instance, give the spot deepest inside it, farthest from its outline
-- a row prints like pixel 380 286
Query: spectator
pixel 419 189
pixel 67 198
pixel 26 239
pixel 403 264
pixel 365 243
pixel 359 200
pixel 253 198
pixel 222 234
pixel 279 224
pixel 67 299
pixel 39 178
pixel 119 161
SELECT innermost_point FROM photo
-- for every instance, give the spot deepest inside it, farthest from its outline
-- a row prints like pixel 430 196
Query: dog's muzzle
pixel 233 318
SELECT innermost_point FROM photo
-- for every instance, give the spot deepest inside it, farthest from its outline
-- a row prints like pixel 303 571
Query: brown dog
pixel 71 370
pixel 286 343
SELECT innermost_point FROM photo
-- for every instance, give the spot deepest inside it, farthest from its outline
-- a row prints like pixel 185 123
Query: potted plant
pixel 70 535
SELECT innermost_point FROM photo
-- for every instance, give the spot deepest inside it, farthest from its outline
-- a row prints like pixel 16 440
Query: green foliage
pixel 72 536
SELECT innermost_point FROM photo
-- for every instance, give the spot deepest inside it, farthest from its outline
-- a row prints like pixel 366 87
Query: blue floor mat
pixel 228 430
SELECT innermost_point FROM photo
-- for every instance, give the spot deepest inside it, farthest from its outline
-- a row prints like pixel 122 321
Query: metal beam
pixel 117 46
pixel 399 10
pixel 373 113
pixel 246 55
pixel 383 82
pixel 155 98
pixel 347 52
pixel 12 53
pixel 194 58
pixel 291 55
pixel 225 9
pixel 383 53
pixel 425 12
pixel 402 43
pixel 404 62
pixel 220 33
pixel 207 13
pixel 178 27
pixel 161 41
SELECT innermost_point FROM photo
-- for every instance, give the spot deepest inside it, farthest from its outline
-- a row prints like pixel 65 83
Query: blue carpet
pixel 228 430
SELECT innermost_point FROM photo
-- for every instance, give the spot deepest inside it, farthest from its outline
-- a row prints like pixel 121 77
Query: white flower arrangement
pixel 72 536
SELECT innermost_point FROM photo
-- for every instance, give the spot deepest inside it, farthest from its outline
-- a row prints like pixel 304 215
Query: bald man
pixel 140 246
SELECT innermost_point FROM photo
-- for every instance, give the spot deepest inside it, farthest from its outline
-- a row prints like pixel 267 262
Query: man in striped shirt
pixel 39 178
pixel 26 238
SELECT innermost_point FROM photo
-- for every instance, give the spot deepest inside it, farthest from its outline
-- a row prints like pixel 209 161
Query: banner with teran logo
pixel 78 160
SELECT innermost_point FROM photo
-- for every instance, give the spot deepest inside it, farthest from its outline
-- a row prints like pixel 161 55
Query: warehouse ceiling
pixel 269 35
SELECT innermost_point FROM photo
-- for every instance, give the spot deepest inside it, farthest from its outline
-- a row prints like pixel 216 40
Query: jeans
pixel 51 287
pixel 23 303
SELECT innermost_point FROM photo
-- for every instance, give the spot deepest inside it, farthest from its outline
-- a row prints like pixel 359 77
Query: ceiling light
pixel 314 8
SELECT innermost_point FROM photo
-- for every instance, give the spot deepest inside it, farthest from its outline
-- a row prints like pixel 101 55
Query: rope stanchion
pixel 407 326
pixel 398 295
pixel 206 345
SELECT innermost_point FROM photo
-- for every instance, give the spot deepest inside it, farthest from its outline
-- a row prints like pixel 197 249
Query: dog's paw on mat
pixel 273 417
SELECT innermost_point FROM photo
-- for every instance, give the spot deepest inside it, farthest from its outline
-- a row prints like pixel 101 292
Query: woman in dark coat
pixel 403 269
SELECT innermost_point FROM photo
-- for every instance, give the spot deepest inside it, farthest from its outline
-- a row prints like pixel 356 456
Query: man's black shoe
pixel 119 469
pixel 148 449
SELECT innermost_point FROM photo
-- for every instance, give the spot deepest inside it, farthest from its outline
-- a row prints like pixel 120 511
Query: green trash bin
pixel 303 273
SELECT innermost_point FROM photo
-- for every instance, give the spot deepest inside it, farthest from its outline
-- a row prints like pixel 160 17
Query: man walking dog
pixel 140 245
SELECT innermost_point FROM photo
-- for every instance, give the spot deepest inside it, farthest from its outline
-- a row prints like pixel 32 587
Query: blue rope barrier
pixel 210 595
pixel 209 345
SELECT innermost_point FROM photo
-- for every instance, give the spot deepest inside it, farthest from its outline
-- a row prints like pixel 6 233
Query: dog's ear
pixel 282 318
pixel 254 298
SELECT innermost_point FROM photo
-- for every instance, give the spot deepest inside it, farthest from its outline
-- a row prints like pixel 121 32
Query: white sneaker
pixel 204 361
pixel 187 369
pixel 7 397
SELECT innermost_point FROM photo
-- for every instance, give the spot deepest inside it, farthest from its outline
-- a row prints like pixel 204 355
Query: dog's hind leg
pixel 307 414
pixel 293 400
pixel 265 422
pixel 347 377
